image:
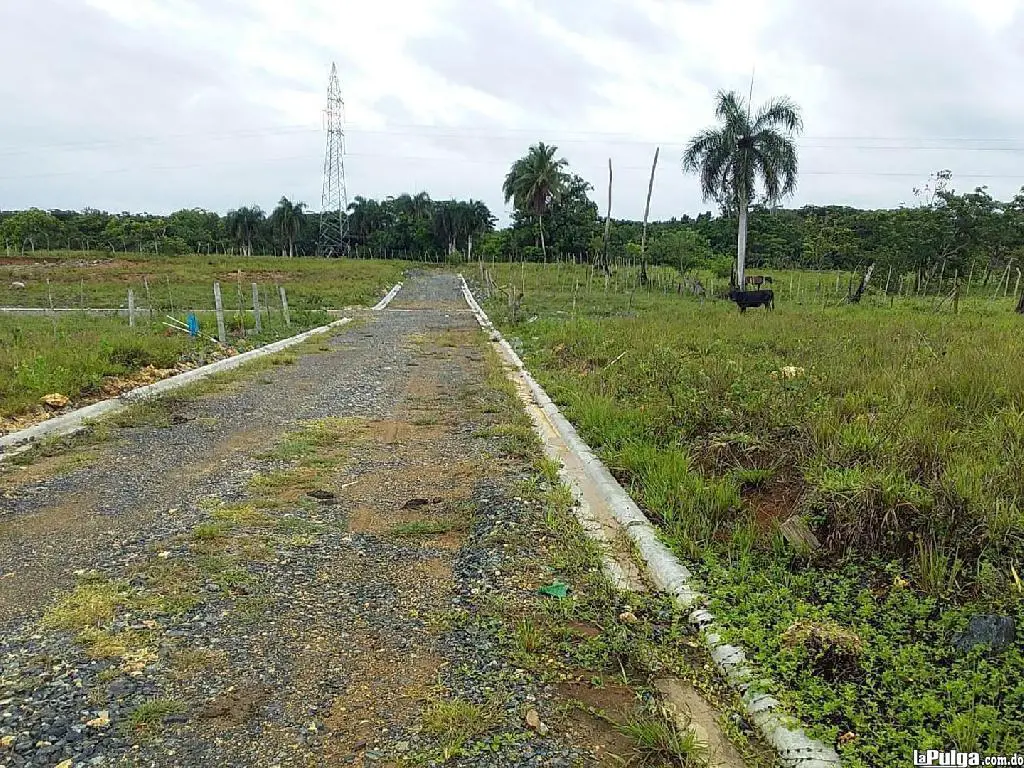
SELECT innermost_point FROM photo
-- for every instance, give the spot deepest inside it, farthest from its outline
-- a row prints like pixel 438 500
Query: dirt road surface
pixel 330 560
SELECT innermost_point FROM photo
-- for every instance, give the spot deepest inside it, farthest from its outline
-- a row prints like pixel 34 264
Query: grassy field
pixel 897 434
pixel 176 283
pixel 81 355
pixel 803 288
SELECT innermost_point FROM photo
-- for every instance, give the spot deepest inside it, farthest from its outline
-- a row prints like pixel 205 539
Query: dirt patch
pixel 437 570
pixel 386 685
pixel 773 503
pixel 235 707
pixel 592 722
pixel 393 432
pixel 378 498
pixel 14 476
pixel 583 629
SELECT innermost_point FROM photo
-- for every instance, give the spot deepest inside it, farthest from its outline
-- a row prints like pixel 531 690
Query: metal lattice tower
pixel 334 203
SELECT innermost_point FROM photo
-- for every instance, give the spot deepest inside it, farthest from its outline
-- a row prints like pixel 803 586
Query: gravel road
pixel 278 572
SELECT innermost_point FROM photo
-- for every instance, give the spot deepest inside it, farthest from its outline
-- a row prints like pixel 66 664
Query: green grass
pixel 72 354
pixel 454 723
pixel 901 444
pixel 186 282
pixel 152 713
pixel 659 742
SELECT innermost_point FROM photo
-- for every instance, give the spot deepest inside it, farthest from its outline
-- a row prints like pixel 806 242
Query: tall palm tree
pixel 732 157
pixel 244 224
pixel 288 220
pixel 534 181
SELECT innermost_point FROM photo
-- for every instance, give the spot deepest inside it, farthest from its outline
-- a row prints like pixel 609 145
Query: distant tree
pixel 33 227
pixel 683 248
pixel 730 159
pixel 574 219
pixel 828 243
pixel 244 225
pixel 287 221
pixel 534 181
pixel 199 228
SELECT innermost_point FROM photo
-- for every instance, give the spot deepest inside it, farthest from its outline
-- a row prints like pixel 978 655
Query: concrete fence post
pixel 218 301
pixel 284 306
pixel 256 308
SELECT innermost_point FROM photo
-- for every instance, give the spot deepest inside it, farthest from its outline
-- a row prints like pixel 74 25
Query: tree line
pixel 942 233
pixel 407 226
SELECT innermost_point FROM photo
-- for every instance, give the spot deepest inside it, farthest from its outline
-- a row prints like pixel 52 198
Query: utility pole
pixel 334 203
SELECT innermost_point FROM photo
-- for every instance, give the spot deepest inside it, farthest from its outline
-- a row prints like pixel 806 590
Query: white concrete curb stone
pixel 383 303
pixel 75 421
pixel 781 731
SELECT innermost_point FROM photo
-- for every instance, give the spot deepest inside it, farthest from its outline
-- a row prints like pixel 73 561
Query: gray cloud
pixel 929 74
pixel 500 53
pixel 116 117
pixel 621 20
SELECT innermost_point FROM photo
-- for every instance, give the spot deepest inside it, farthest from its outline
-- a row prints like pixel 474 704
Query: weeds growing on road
pixel 660 742
pixel 151 713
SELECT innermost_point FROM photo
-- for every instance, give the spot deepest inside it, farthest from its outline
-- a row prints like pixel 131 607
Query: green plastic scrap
pixel 555 589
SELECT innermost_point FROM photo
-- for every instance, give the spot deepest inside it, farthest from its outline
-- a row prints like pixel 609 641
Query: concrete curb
pixel 781 731
pixel 383 303
pixel 74 421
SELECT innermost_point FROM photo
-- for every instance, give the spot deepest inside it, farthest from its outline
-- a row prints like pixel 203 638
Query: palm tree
pixel 479 219
pixel 534 182
pixel 244 224
pixel 288 220
pixel 732 157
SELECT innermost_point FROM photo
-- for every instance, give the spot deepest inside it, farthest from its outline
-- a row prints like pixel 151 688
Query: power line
pixel 510 134
pixel 448 160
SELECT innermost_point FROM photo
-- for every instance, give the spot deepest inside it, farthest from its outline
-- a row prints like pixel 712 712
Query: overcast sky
pixel 163 104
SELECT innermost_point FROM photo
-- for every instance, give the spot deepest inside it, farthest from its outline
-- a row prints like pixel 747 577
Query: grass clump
pixel 242 515
pixel 152 713
pixel 87 606
pixel 455 723
pixel 658 742
pixel 423 528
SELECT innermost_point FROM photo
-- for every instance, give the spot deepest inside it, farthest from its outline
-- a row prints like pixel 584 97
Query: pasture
pixel 182 283
pixel 893 429
pixel 86 356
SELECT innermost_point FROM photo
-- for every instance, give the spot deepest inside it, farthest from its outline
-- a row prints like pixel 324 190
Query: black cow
pixel 746 299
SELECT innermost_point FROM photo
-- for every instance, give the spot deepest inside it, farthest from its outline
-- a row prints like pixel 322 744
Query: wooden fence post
pixel 218 302
pixel 131 308
pixel 256 308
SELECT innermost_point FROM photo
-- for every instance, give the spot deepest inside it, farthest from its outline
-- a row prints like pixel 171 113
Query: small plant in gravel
pixel 211 532
pixel 454 723
pixel 104 644
pixel 88 606
pixel 242 514
pixel 529 636
pixel 191 660
pixel 423 528
pixel 660 742
pixel 152 713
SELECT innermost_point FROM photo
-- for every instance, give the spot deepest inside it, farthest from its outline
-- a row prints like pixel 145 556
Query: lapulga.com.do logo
pixel 936 757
